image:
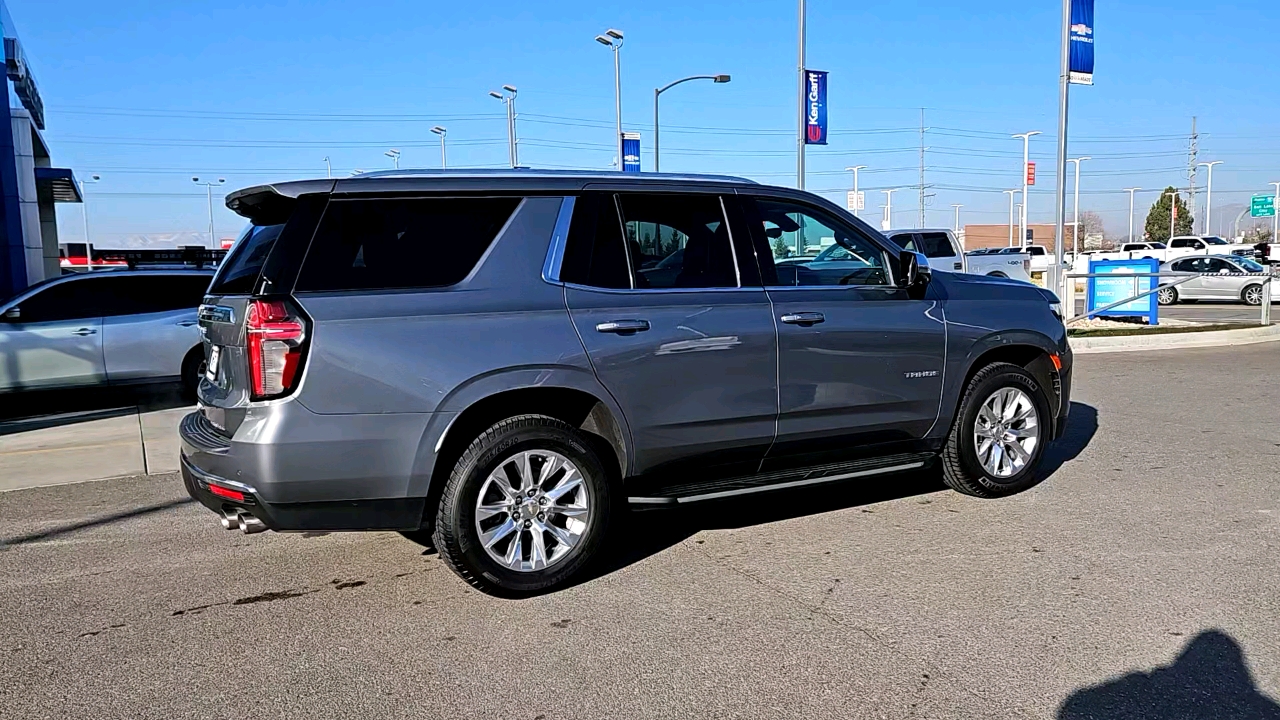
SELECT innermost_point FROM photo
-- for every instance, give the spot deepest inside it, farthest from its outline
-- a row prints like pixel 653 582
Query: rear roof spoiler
pixel 272 204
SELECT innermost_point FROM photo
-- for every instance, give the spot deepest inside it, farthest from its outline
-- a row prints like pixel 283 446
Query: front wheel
pixel 526 508
pixel 1252 295
pixel 999 434
pixel 1167 296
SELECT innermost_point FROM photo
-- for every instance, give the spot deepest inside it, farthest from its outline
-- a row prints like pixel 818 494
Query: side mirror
pixel 13 313
pixel 913 269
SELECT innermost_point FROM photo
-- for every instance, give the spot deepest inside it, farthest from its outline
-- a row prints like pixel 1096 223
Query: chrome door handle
pixel 623 327
pixel 803 318
pixel 84 331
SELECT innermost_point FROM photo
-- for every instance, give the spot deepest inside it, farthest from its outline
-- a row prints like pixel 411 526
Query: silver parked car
pixel 1223 280
pixel 109 327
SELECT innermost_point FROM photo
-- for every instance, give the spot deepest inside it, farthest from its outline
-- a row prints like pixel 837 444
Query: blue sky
pixel 148 94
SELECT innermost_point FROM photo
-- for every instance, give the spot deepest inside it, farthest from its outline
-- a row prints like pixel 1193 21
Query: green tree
pixel 780 248
pixel 1157 227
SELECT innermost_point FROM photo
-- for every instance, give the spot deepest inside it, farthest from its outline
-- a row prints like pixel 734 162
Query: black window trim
pixel 613 194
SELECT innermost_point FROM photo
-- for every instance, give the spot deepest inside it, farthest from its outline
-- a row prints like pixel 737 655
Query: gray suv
pixel 498 364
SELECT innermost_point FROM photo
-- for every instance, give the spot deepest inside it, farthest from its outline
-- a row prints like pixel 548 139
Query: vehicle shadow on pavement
pixel 39 409
pixel 642 533
pixel 1208 681
pixel 94 522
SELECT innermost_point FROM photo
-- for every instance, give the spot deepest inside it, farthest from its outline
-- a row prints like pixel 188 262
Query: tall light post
pixel 1173 208
pixel 1013 194
pixel 1026 161
pixel 956 225
pixel 613 39
pixel 1131 191
pixel 1208 198
pixel 509 97
pixel 394 154
pixel 855 170
pixel 800 117
pixel 1275 219
pixel 888 208
pixel 1075 225
pixel 209 186
pixel 84 211
pixel 441 131
pixel 328 169
pixel 658 91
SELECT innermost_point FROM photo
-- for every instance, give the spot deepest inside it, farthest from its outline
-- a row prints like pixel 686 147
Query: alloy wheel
pixel 1006 432
pixel 1253 295
pixel 532 510
pixel 1165 296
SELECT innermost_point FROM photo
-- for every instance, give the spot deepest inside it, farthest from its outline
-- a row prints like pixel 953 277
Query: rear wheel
pixel 1167 296
pixel 1252 295
pixel 526 508
pixel 997 274
pixel 999 434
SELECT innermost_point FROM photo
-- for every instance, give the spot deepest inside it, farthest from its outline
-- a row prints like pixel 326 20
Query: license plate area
pixel 211 368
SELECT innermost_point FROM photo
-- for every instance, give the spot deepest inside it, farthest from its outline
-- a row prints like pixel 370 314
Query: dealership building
pixel 30 185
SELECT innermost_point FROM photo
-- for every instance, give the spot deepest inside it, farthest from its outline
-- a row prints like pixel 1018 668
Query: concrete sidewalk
pixel 88 445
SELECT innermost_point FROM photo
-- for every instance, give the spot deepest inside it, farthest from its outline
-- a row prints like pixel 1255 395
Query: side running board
pixel 682 493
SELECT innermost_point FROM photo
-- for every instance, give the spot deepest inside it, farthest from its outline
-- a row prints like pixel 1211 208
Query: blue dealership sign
pixel 1081 42
pixel 815 107
pixel 631 152
pixel 1103 291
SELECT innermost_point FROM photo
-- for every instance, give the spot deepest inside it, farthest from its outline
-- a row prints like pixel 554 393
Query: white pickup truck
pixel 1134 251
pixel 945 253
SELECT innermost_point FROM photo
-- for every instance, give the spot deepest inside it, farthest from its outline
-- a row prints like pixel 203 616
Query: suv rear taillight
pixel 274 338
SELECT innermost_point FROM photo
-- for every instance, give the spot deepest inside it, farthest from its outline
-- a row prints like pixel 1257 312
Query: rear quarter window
pixel 380 244
pixel 241 267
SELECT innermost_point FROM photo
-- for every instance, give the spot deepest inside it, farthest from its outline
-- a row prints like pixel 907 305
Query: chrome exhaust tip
pixel 250 524
pixel 230 520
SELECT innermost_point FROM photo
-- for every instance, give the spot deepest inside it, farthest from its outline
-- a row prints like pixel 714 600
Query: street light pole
pixel 658 91
pixel 1131 191
pixel 1275 219
pixel 1012 194
pixel 1208 198
pixel 1026 160
pixel 855 170
pixel 209 191
pixel 1075 225
pixel 510 99
pixel 956 224
pixel 84 211
pixel 613 39
pixel 328 169
pixel 800 114
pixel 394 154
pixel 888 208
pixel 441 131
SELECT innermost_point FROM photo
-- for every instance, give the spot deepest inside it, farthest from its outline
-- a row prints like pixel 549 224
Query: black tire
pixel 456 537
pixel 191 369
pixel 422 537
pixel 997 274
pixel 1170 292
pixel 1252 295
pixel 961 469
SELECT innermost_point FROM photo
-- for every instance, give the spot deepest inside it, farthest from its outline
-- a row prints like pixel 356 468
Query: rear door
pixel 149 324
pixel 677 327
pixel 859 361
pixel 53 337
pixel 1220 283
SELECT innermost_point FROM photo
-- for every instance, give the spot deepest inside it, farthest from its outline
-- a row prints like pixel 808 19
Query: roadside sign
pixel 1031 173
pixel 856 200
pixel 1081 36
pixel 1102 291
pixel 1262 206
pixel 815 107
pixel 631 152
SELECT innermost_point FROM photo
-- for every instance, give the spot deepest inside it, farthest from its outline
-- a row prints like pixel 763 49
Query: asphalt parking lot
pixel 1138 581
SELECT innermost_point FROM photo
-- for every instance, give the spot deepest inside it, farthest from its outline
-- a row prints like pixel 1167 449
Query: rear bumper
pixel 293 477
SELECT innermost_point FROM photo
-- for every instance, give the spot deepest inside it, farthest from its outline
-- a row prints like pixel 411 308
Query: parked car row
pixel 1223 278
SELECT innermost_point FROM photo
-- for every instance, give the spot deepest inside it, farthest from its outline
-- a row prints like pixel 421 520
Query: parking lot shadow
pixel 1208 681
pixel 642 533
pixel 38 409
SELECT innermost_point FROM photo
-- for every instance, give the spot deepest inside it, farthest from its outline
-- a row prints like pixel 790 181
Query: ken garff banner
pixel 815 107
pixel 1081 42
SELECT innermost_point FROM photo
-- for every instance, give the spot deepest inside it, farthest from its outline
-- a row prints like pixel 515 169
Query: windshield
pixel 1249 265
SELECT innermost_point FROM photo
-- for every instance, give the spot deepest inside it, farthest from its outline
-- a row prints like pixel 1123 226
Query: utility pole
pixel 800 114
pixel 920 216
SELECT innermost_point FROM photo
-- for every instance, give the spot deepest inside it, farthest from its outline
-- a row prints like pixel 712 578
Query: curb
pixel 1173 341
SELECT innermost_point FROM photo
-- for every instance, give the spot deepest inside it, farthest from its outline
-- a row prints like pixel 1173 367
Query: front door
pixel 860 361
pixel 685 346
pixel 52 338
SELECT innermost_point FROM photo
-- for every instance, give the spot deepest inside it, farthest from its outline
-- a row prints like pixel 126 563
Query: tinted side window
pixel 594 254
pixel 241 267
pixel 73 300
pixel 140 294
pixel 850 258
pixel 1180 243
pixel 933 245
pixel 678 241
pixel 401 243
